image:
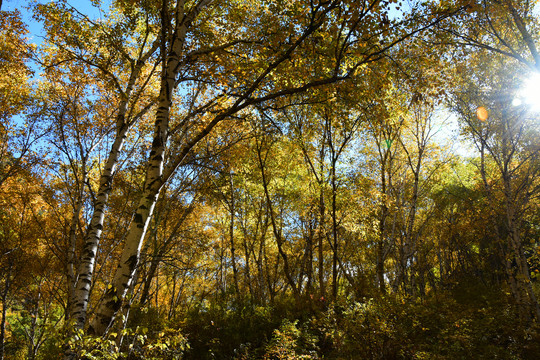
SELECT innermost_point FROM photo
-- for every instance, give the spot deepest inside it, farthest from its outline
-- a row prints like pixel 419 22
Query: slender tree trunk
pixel 87 262
pixel 380 267
pixel 149 277
pixel 5 292
pixel 112 301
pixel 114 296
pixel 382 228
pixel 262 267
pixel 524 291
pixel 122 325
pixel 176 296
pixel 277 232
pixel 269 280
pixel 529 306
pixel 320 247
pixel 231 236
pixel 160 251
pixel 335 249
pixel 309 257
pixel 247 254
pixel 72 245
pixel 322 218
pixel 503 253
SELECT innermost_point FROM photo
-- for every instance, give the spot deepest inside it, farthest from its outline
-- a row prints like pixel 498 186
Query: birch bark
pixel 123 277
pixel 78 311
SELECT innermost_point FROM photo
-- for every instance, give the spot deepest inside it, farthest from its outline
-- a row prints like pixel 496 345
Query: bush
pixel 465 323
pixel 291 343
pixel 436 328
pixel 229 330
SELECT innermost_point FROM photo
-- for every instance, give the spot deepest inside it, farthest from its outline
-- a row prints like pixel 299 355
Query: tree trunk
pixel 524 292
pixel 5 292
pixel 382 229
pixel 114 296
pixel 309 257
pixel 231 236
pixel 334 229
pixel 87 262
pixel 72 245
pixel 84 275
pixel 380 267
pixel 322 218
pixel 277 232
pixel 156 258
pixel 247 254
pixel 154 179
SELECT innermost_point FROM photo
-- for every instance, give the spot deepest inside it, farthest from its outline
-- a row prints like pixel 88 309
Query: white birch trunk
pixel 82 286
pixel 71 276
pixel 88 258
pixel 123 277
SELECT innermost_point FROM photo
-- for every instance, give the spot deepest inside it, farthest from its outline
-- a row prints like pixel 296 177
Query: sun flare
pixel 529 93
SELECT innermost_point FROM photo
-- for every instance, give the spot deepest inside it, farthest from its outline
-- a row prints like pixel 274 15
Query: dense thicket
pixel 270 180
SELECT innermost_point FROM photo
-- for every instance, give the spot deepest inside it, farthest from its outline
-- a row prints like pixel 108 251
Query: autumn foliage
pixel 223 179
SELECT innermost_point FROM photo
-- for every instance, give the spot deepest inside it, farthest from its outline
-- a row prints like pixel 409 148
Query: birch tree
pixel 80 44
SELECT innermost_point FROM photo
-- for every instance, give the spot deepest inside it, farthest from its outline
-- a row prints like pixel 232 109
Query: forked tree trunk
pixel 276 230
pixel 129 260
pixel 121 282
pixel 84 276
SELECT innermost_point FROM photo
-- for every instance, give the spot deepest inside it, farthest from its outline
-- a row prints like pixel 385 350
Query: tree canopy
pixel 270 179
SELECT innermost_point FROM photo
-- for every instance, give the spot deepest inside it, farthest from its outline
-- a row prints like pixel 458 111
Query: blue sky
pixel 35 28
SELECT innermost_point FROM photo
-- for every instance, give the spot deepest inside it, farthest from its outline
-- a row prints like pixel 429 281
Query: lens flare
pixel 482 113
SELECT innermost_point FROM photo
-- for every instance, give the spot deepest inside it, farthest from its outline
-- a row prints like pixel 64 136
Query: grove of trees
pixel 270 179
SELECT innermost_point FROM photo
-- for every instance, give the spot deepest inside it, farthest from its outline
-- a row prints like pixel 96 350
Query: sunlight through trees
pixel 226 179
